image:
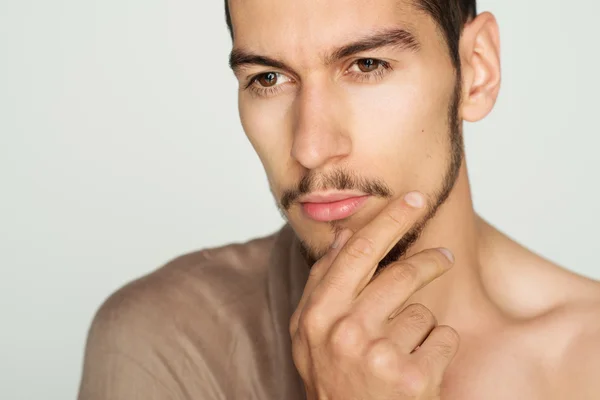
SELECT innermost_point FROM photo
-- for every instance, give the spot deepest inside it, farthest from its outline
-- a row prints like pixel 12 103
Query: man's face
pixel 341 131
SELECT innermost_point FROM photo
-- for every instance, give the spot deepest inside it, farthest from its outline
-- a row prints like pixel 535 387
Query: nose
pixel 319 135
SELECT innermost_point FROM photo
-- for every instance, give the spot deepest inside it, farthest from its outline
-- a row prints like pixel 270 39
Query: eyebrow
pixel 398 38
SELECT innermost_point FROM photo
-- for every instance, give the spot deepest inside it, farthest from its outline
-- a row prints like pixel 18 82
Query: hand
pixel 352 338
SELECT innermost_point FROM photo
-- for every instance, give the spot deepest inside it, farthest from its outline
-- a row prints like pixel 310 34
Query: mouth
pixel 332 206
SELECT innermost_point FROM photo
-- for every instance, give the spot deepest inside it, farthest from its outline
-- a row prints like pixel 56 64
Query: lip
pixel 329 197
pixel 332 206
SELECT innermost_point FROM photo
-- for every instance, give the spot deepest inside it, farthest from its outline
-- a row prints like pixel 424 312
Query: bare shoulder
pixel 562 343
pixel 578 369
pixel 567 338
pixel 571 310
pixel 526 285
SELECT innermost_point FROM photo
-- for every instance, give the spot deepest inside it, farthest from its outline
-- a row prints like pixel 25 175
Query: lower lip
pixel 324 212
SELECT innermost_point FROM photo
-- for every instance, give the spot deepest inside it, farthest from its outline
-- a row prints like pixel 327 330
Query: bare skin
pixel 351 339
pixel 528 329
pixel 511 337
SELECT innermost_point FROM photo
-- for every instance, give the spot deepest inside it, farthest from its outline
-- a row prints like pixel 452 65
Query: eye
pixel 267 84
pixel 267 80
pixel 368 64
pixel 369 70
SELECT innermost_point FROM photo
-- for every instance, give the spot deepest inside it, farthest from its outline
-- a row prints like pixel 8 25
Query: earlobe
pixel 480 64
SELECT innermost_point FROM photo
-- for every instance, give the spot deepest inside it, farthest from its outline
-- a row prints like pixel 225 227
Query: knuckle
pixel 434 258
pixel 398 215
pixel 334 282
pixel 312 323
pixel 420 316
pixel 347 338
pixel 404 272
pixel 360 247
pixel 414 380
pixel 381 359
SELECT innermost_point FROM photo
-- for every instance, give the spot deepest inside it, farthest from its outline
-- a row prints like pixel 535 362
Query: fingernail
pixel 415 199
pixel 446 253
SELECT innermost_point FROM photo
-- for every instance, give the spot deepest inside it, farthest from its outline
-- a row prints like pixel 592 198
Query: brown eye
pixel 367 64
pixel 267 80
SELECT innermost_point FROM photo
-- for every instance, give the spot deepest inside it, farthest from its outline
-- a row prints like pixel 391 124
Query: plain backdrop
pixel 121 148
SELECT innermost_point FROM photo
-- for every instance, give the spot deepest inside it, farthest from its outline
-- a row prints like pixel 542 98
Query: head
pixel 361 101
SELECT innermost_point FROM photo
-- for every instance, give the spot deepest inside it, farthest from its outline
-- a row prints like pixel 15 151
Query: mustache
pixel 339 179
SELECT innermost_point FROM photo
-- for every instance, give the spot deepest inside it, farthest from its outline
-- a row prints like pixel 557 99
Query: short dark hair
pixel 450 16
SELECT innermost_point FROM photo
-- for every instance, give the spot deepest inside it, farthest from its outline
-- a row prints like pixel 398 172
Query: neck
pixel 457 298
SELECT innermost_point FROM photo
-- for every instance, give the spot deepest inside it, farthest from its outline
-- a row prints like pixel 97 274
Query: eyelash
pixel 361 77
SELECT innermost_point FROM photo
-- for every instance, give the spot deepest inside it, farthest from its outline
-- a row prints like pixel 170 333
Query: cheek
pixel 403 110
pixel 401 127
pixel 266 126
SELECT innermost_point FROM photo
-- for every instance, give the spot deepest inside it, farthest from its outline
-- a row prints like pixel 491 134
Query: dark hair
pixel 450 16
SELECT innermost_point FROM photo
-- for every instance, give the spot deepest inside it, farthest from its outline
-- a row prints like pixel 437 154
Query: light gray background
pixel 121 148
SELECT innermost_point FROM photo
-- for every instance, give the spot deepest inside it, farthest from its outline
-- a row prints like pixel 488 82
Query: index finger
pixel 358 259
pixel 314 278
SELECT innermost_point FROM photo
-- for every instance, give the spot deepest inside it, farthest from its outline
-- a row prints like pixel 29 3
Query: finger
pixel 316 274
pixel 437 351
pixel 393 286
pixel 356 262
pixel 320 267
pixel 411 327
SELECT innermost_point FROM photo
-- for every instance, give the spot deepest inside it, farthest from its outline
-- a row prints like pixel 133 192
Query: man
pixel 384 284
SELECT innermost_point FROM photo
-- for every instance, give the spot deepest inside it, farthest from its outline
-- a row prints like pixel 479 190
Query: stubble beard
pixel 311 253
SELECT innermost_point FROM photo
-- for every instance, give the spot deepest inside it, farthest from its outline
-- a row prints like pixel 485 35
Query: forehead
pixel 304 28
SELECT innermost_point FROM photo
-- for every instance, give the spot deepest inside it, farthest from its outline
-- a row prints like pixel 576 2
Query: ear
pixel 480 64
